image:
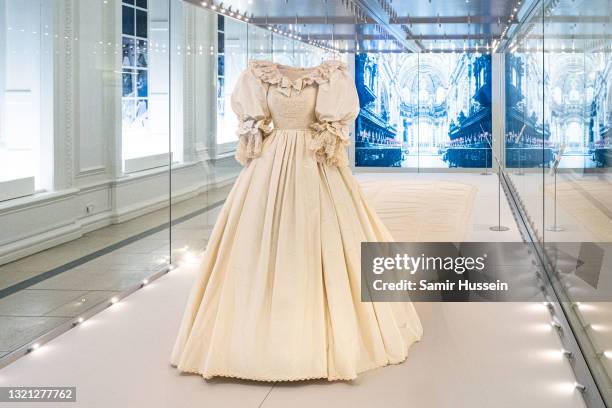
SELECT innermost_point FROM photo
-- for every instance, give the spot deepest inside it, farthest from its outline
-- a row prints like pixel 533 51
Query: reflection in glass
pixel 128 20
pixel 128 84
pixel 558 93
pixel 142 54
pixel 232 60
pixel 142 85
pixel 141 23
pixel 145 127
pixel 129 55
pixel 527 138
pixel 26 86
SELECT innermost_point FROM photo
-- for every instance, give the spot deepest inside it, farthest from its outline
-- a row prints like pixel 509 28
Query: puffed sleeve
pixel 250 106
pixel 337 106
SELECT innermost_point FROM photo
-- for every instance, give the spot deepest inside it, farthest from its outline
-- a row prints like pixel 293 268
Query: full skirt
pixel 277 296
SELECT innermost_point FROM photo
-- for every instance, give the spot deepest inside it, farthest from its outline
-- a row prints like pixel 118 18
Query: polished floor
pixel 472 354
pixel 49 288
pixel 583 206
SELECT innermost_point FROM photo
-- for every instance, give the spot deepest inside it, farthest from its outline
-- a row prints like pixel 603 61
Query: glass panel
pixel 558 74
pixel 142 54
pixel 102 153
pixel 26 139
pixel 128 84
pixel 260 43
pixel 578 199
pixel 282 49
pixel 201 174
pixel 142 84
pixel 141 23
pixel 145 129
pixel 220 24
pixel 528 150
pixel 129 52
pixel 233 58
pixel 128 14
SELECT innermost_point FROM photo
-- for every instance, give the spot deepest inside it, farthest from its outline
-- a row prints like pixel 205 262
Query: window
pixel 144 90
pixel 26 89
pixel 135 96
pixel 220 71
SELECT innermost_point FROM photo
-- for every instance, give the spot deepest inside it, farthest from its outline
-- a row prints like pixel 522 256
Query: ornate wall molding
pixel 64 90
pixel 189 84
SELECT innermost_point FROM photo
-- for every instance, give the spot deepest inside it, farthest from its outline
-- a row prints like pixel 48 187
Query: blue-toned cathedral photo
pixel 558 106
pixel 423 110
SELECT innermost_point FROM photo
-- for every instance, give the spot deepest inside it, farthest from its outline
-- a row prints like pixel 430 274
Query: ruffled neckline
pixel 271 73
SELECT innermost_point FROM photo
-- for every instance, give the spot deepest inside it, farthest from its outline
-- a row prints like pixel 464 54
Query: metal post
pixel 555 227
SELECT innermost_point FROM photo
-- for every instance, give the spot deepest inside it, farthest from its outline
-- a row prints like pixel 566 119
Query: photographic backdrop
pixel 426 110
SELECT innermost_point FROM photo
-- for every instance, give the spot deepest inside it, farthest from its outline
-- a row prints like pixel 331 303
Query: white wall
pixel 24 50
pixel 89 189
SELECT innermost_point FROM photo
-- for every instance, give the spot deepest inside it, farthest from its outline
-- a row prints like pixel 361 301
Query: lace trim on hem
pixel 209 375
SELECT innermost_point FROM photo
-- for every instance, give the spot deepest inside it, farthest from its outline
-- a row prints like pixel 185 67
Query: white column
pixel 3 60
pixel 178 59
pixel 189 70
pixel 204 84
pixel 64 94
pixel 113 83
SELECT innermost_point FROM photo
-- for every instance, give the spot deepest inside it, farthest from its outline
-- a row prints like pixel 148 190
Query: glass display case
pixel 117 141
pixel 558 70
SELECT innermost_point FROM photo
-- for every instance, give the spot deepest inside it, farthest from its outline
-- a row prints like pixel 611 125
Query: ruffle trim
pixel 330 142
pixel 269 72
pixel 251 133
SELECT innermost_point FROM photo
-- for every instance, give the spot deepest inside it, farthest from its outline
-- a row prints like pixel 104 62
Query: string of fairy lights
pixel 220 8
pixel 292 31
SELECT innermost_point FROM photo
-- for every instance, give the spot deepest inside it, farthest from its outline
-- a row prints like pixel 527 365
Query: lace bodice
pixel 298 113
pixel 270 97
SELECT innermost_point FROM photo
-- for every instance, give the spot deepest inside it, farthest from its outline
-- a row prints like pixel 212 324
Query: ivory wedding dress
pixel 278 293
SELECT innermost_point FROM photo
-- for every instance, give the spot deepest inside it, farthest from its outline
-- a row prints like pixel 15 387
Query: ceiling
pixel 426 25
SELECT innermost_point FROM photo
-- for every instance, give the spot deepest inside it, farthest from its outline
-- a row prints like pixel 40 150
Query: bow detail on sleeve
pixel 251 133
pixel 329 143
